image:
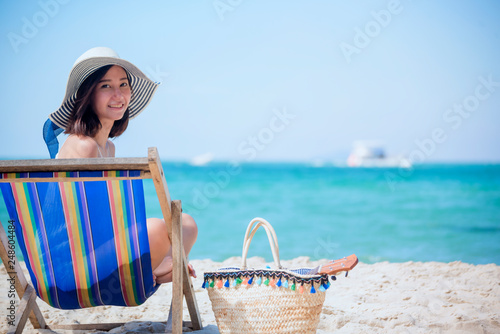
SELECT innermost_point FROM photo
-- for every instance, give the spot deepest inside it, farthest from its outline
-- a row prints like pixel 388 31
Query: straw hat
pixel 142 87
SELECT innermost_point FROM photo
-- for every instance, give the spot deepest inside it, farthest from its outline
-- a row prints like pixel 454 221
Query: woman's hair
pixel 83 120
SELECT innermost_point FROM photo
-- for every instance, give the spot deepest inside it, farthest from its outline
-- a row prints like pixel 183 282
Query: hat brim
pixel 142 87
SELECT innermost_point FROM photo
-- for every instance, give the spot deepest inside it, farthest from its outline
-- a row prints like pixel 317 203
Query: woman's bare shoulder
pixel 78 147
pixel 111 148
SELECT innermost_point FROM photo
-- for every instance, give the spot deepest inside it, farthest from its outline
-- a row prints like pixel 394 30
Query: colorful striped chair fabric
pixel 85 243
pixel 81 226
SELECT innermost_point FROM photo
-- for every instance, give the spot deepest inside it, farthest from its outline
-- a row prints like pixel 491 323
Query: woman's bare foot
pixel 192 272
pixel 163 273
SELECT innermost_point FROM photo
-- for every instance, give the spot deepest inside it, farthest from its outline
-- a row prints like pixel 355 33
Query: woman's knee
pixel 157 233
pixel 157 226
pixel 189 225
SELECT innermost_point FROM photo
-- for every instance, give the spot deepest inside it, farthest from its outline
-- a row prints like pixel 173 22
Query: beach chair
pixel 81 226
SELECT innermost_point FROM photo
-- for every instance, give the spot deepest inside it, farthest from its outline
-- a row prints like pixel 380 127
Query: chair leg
pixel 13 268
pixel 189 294
pixel 181 282
pixel 180 272
pixel 177 272
pixel 169 319
pixel 25 306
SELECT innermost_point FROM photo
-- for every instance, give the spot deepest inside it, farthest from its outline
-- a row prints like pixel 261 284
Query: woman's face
pixel 111 96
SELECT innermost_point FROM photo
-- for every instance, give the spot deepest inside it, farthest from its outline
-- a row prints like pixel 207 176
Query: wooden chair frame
pixel 150 168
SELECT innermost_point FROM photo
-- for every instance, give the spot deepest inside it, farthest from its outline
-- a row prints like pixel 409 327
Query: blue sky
pixel 269 80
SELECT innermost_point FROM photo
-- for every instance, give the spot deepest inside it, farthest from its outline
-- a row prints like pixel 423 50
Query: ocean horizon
pixel 432 212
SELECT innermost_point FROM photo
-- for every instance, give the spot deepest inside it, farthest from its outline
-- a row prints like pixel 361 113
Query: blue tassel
pixel 322 288
pixel 227 283
pixel 234 283
pixel 279 283
pixel 259 281
pixel 250 281
pixel 312 289
pixel 203 285
pixel 285 285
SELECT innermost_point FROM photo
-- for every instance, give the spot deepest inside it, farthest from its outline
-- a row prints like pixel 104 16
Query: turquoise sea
pixel 440 212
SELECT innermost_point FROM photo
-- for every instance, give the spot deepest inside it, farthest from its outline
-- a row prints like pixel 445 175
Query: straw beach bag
pixel 265 300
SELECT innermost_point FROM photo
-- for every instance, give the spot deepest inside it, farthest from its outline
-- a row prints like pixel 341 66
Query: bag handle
pixel 271 235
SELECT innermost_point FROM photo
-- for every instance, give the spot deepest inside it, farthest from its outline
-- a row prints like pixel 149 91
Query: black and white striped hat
pixel 142 87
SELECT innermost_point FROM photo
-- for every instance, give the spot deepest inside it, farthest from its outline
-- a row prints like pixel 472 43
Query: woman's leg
pixel 161 249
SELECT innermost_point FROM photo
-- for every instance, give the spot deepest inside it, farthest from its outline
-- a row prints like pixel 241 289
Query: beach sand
pixel 411 297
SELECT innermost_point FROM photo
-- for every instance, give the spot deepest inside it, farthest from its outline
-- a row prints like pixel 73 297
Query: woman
pixel 102 94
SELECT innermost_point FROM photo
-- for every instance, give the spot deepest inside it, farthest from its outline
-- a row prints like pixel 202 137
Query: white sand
pixel 410 297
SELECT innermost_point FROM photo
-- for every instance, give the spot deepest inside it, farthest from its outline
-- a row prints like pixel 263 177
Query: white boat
pixel 372 154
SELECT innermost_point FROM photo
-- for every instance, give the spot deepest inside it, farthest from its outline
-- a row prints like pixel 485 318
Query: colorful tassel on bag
pixel 279 280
